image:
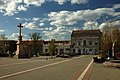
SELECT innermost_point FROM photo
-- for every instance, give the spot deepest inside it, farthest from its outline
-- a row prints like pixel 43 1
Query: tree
pixel 117 46
pixel 106 39
pixel 110 38
pixel 114 37
pixel 35 37
pixel 52 47
pixel 3 38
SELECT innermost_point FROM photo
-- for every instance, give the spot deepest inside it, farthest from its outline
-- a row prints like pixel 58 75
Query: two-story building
pixel 61 47
pixel 85 41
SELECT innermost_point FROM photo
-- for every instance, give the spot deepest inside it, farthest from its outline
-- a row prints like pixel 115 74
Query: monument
pixel 19 52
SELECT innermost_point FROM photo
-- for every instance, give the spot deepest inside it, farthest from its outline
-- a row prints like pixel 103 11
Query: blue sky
pixel 56 19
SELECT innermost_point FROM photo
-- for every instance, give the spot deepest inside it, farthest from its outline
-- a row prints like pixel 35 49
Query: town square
pixel 59 39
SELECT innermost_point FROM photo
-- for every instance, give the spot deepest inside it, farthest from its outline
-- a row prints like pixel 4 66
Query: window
pixel 73 44
pixel 96 43
pixel 90 42
pixel 67 49
pixel 46 50
pixel 73 50
pixel 57 50
pixel 90 49
pixel 84 42
pixel 79 42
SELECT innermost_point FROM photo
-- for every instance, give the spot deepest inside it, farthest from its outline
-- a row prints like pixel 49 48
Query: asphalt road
pixel 41 69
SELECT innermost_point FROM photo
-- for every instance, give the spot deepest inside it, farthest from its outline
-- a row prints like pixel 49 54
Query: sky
pixel 56 19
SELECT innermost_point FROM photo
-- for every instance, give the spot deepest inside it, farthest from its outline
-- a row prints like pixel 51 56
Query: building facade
pixel 32 48
pixel 85 41
pixel 7 47
pixel 62 47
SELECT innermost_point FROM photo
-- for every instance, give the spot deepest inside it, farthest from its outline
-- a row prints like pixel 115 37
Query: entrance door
pixel 79 51
pixel 61 51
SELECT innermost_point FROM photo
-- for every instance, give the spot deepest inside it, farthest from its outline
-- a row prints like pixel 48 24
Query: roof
pixel 64 41
pixel 86 33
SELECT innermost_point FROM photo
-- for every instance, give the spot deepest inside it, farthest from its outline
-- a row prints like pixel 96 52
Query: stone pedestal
pixel 19 52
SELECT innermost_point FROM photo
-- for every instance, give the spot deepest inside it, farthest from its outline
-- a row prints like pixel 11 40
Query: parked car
pixel 100 58
pixel 63 55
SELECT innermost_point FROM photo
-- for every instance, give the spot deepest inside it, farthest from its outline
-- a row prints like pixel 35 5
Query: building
pixel 85 41
pixel 7 47
pixel 31 48
pixel 62 47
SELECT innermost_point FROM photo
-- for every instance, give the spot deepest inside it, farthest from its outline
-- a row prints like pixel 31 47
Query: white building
pixel 85 41
pixel 62 47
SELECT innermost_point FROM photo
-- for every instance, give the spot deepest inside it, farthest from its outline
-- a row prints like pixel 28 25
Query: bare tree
pixel 114 37
pixel 2 43
pixel 106 39
pixel 110 38
pixel 35 37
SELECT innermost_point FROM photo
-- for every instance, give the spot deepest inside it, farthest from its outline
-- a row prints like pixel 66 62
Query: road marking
pixel 85 71
pixel 19 63
pixel 25 71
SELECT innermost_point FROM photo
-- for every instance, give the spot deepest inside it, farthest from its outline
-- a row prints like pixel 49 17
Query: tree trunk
pixel 113 50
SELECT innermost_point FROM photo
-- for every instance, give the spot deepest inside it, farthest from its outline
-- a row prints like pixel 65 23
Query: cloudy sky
pixel 56 19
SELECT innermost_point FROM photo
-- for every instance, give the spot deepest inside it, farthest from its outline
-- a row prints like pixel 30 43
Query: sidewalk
pixel 100 72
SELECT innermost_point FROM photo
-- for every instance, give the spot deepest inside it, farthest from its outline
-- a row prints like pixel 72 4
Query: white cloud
pixel 34 2
pixel 22 8
pixel 72 1
pixel 110 24
pixel 2 30
pixel 58 33
pixel 50 28
pixel 55 34
pixel 102 26
pixel 17 18
pixel 35 19
pixel 61 1
pixel 14 36
pixel 79 1
pixel 63 18
pixel 31 25
pixel 91 25
pixel 116 6
pixel 116 14
pixel 41 24
pixel 10 8
pixel 115 23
